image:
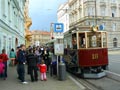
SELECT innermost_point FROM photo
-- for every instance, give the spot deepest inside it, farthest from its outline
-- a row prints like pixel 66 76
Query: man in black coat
pixel 21 63
pixel 46 58
pixel 32 61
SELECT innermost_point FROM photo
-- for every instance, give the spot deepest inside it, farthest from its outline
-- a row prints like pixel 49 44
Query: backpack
pixel 2 68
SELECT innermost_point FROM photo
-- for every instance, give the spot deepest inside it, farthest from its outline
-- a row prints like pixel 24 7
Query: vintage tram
pixel 86 52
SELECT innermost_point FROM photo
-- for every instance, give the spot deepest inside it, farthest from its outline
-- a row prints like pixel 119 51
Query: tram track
pixel 98 84
pixel 85 83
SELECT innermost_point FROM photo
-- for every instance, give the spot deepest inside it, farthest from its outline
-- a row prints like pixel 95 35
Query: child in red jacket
pixel 43 68
pixel 4 57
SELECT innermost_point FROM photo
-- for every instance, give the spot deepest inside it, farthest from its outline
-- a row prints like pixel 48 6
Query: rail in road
pixel 109 82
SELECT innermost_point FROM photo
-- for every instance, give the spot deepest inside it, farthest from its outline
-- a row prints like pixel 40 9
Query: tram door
pixel 74 41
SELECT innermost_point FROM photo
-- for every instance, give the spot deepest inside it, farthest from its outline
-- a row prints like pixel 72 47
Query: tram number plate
pixel 94 56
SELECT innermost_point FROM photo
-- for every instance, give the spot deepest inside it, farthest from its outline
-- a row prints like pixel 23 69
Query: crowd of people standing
pixel 36 58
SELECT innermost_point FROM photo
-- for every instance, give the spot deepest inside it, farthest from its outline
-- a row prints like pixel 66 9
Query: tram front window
pixel 93 40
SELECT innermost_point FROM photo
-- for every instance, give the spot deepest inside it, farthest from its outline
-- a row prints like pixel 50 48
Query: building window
pixel 113 10
pixel 103 24
pixel 10 43
pixel 102 0
pixel 114 42
pixel 4 42
pixel 88 23
pixel 8 10
pixel 102 11
pixel 114 26
pixel 113 1
pixel 92 23
pixel 3 6
pixel 112 14
pixel 90 11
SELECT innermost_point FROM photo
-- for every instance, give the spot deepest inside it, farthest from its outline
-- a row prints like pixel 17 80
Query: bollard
pixel 62 72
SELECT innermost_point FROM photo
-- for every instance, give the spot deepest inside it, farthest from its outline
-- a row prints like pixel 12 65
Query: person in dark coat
pixel 46 58
pixel 32 61
pixel 21 64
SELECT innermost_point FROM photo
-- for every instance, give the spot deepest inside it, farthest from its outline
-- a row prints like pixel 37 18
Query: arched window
pixel 114 42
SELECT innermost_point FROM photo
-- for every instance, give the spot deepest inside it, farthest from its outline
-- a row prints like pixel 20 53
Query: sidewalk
pixel 114 52
pixel 11 83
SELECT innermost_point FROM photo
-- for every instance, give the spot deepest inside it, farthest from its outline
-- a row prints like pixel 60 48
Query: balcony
pixel 89 2
pixel 113 5
pixel 28 35
pixel 119 6
pixel 102 3
pixel 28 22
pixel 79 7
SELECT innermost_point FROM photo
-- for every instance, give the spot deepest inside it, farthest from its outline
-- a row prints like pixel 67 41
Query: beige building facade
pixel 105 13
pixel 63 15
pixel 40 38
pixel 28 23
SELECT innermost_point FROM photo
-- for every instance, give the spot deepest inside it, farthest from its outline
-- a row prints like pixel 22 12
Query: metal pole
pixel 95 13
pixel 57 65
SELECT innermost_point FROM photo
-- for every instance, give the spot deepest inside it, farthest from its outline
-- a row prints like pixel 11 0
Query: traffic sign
pixel 58 27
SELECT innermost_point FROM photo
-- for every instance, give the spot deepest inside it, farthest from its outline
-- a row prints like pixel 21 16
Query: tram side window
pixel 104 39
pixel 82 40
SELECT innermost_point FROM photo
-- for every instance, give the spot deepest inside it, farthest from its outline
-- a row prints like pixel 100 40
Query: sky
pixel 43 12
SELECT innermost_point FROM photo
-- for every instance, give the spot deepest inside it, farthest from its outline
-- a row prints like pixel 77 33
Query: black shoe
pixel 32 80
pixel 36 80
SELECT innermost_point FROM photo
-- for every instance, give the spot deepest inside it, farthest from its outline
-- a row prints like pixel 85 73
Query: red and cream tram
pixel 86 52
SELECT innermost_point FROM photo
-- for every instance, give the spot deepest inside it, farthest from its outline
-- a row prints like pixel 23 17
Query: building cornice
pixel 72 1
pixel 10 29
pixel 18 6
pixel 94 18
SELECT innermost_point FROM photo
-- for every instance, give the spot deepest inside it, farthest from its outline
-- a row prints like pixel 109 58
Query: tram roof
pixel 80 31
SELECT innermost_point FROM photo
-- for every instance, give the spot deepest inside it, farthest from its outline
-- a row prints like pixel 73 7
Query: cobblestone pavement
pixel 12 83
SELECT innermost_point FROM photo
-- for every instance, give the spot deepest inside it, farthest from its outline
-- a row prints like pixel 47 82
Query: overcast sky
pixel 43 12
